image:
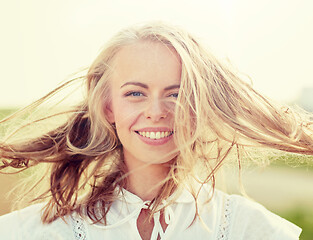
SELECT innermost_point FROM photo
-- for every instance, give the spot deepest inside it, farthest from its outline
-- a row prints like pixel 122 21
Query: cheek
pixel 126 113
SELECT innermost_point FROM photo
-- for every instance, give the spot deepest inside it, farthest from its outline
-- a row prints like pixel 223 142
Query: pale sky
pixel 44 41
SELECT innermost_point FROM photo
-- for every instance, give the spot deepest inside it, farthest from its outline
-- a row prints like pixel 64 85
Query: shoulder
pixel 27 224
pixel 246 219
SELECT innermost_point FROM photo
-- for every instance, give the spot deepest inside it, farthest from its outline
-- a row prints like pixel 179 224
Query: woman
pixel 137 158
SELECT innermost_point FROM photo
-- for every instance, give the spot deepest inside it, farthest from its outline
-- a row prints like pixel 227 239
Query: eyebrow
pixel 146 86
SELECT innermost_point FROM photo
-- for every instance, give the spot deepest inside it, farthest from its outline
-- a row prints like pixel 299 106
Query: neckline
pixel 179 196
pixel 127 207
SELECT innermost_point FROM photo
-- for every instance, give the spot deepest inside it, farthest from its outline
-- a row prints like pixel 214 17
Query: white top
pixel 225 217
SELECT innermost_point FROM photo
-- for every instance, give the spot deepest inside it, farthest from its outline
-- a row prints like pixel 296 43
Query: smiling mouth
pixel 155 135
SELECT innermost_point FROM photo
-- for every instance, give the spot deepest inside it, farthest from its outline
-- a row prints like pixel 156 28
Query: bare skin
pixel 150 176
pixel 145 82
pixel 144 181
pixel 145 226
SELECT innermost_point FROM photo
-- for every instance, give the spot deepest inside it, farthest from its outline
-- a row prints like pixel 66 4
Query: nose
pixel 156 110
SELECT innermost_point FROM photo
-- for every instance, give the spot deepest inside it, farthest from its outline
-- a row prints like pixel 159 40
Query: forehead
pixel 148 62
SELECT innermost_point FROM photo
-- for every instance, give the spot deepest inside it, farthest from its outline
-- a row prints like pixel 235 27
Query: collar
pixel 179 196
pixel 128 206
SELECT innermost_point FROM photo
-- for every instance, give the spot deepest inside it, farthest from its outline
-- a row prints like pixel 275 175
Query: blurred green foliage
pixel 6 112
pixel 302 217
pixel 294 161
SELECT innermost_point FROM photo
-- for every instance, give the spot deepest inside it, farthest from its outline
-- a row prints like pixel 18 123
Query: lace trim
pixel 223 232
pixel 79 229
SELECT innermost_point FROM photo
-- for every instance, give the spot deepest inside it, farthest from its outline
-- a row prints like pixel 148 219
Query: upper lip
pixel 154 129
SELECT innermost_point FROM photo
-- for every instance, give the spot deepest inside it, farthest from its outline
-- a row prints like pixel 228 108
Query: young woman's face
pixel 144 88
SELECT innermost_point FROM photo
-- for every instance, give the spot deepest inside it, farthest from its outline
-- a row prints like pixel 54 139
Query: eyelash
pixel 176 95
pixel 131 94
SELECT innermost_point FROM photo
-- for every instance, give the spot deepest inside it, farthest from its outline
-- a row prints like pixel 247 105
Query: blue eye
pixel 134 94
pixel 175 95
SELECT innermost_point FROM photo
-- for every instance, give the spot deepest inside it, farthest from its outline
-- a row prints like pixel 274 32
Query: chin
pixel 168 159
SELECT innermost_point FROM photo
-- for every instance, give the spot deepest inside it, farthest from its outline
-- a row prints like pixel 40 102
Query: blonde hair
pixel 216 112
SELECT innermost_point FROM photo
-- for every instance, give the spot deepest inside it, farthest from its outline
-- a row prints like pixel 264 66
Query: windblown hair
pixel 216 112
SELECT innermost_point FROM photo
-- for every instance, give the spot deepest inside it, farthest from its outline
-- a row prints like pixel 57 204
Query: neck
pixel 144 180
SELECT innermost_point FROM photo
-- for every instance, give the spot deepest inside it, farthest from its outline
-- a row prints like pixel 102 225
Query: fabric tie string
pixel 157 228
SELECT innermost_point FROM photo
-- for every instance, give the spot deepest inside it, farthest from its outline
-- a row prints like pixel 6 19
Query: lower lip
pixel 155 142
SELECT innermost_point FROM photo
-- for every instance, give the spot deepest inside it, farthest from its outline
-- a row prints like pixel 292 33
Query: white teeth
pixel 152 135
pixel 155 135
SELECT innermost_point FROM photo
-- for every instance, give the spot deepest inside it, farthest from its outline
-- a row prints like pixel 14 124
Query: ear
pixel 109 113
